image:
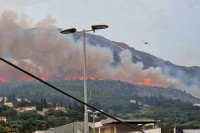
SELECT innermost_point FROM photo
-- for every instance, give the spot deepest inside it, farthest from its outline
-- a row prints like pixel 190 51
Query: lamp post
pixel 73 30
pixel 94 115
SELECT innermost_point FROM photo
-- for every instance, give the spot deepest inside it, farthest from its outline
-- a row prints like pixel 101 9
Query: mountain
pixel 189 76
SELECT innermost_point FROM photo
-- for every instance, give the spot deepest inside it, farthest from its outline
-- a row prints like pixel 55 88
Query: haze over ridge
pixel 50 55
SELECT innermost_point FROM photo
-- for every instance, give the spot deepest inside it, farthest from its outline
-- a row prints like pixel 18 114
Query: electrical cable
pixel 55 88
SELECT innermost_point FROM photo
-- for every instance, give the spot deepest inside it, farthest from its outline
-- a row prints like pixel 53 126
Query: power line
pixel 55 88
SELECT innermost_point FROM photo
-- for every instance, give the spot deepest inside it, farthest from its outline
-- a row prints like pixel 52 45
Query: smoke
pixel 44 51
pixel 135 73
pixel 50 55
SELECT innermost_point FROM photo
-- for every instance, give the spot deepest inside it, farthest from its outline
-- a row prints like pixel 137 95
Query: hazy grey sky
pixel 172 27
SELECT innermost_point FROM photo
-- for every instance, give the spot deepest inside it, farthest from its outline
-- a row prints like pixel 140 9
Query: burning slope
pixel 3 80
pixel 82 78
pixel 149 82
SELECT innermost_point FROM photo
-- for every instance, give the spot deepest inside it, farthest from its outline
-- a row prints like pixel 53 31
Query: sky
pixel 170 26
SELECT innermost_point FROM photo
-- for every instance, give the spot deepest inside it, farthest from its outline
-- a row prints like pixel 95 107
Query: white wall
pixel 157 130
pixel 191 130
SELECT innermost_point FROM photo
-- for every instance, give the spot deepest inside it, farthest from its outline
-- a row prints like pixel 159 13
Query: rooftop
pixel 8 102
pixel 2 117
pixel 60 107
pixel 111 121
pixel 29 107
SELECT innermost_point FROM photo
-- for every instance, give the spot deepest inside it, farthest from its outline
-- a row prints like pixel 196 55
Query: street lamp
pixel 73 30
pixel 94 115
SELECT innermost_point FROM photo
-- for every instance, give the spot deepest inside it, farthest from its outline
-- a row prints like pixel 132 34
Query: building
pixel 76 127
pixel 113 126
pixel 24 109
pixel 156 130
pixel 60 109
pixel 5 99
pixel 39 131
pixel 43 111
pixel 29 108
pixel 1 99
pixel 197 105
pixel 133 101
pixel 27 100
pixel 9 104
pixel 3 118
pixel 139 103
pixel 19 110
pixel 19 99
pixel 108 126
pixel 50 103
pixel 191 130
pixel 146 105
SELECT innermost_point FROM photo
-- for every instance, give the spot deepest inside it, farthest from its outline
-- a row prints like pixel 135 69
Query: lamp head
pixel 68 31
pixel 99 26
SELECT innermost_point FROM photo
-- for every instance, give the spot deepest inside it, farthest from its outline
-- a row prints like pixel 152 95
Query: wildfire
pixel 82 78
pixel 29 79
pixel 92 78
pixel 43 78
pixel 149 82
pixel 3 80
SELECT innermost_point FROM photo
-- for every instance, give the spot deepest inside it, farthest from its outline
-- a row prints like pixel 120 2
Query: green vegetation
pixel 29 121
pixel 170 112
pixel 111 96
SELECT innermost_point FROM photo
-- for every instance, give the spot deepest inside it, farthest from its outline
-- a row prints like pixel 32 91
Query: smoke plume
pixel 50 55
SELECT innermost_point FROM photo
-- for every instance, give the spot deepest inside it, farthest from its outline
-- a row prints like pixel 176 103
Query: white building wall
pixel 3 120
pixel 191 130
pixel 157 130
pixel 29 108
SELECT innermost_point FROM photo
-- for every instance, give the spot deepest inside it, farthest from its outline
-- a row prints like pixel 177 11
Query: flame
pixel 3 80
pixel 43 78
pixel 30 79
pixel 92 78
pixel 27 79
pixel 82 78
pixel 149 82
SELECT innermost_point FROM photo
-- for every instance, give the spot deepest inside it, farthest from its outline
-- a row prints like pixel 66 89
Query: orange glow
pixel 3 80
pixel 82 78
pixel 29 79
pixel 44 78
pixel 92 78
pixel 149 82
pixel 67 79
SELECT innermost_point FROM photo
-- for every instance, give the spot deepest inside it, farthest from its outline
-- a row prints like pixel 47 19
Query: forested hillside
pixel 114 97
pixel 111 86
